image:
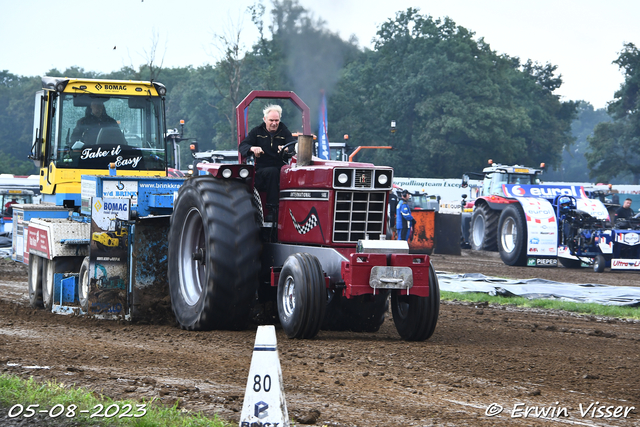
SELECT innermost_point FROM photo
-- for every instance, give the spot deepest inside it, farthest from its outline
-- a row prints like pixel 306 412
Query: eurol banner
pixel 545 191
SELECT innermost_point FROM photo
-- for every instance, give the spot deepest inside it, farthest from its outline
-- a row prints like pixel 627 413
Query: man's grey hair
pixel 272 107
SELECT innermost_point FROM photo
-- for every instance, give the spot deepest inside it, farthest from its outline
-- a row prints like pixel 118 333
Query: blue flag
pixel 323 139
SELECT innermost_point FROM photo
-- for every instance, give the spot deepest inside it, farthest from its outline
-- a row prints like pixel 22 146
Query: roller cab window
pixel 90 132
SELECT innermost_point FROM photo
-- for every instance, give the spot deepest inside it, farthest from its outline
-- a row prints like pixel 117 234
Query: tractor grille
pixel 363 178
pixel 358 215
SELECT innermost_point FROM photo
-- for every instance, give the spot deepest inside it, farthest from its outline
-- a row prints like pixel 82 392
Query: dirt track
pixel 478 357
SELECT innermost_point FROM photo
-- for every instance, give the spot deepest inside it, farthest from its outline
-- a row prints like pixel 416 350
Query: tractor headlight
pixel 383 178
pixel 343 178
pixel 226 173
pixel 160 88
pixel 244 173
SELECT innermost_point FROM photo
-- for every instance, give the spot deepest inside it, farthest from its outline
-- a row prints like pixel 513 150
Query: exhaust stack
pixel 305 150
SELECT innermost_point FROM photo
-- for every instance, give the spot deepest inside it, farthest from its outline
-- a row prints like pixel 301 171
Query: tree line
pixel 455 101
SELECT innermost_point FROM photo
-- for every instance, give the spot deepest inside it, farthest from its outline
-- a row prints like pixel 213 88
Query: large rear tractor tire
pixel 512 238
pixel 416 317
pixel 484 229
pixel 35 281
pixel 214 254
pixel 302 296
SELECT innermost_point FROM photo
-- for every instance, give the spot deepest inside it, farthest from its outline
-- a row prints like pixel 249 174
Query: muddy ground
pixel 480 359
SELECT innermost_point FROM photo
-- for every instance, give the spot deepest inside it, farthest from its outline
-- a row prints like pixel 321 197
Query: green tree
pixel 614 148
pixel 455 101
pixel 574 163
pixel 16 121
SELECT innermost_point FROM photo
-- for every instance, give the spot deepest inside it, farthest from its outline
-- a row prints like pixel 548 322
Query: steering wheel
pixel 286 155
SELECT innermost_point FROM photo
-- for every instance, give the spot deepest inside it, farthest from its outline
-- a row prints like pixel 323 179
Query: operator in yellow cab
pixel 88 127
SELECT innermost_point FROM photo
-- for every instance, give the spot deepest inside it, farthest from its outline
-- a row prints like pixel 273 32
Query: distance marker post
pixel 264 403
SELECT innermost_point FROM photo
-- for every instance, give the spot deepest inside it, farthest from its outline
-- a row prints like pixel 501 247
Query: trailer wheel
pixel 570 263
pixel 49 270
pixel 35 281
pixel 484 229
pixel 512 241
pixel 83 285
pixel 302 296
pixel 416 317
pixel 214 254
pixel 599 263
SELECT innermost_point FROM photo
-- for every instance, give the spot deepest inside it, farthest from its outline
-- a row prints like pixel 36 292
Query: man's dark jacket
pixel 89 126
pixel 259 136
pixel 624 213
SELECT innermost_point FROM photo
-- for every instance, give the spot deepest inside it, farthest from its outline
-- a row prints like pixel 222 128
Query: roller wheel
pixel 416 317
pixel 49 270
pixel 35 281
pixel 84 285
pixel 484 229
pixel 599 263
pixel 302 296
pixel 214 254
pixel 512 239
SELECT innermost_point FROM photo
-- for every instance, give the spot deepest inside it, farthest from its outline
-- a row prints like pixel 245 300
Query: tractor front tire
pixel 302 296
pixel 599 263
pixel 484 229
pixel 416 317
pixel 512 239
pixel 214 254
pixel 362 313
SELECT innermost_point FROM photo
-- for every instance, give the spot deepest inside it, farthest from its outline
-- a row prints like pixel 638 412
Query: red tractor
pixel 325 264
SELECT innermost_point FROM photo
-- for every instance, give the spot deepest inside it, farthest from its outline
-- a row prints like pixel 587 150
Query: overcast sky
pixel 581 37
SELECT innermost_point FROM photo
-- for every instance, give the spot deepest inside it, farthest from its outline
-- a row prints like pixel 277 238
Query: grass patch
pixel 551 304
pixel 15 390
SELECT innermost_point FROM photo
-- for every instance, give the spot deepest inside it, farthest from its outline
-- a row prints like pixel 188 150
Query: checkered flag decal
pixel 308 224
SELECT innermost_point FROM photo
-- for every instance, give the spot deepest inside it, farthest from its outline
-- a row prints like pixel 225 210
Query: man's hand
pixel 280 148
pixel 257 151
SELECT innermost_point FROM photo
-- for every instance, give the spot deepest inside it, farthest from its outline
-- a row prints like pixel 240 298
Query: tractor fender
pixel 495 203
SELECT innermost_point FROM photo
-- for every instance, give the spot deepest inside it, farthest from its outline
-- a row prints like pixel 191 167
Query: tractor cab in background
pixel 8 200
